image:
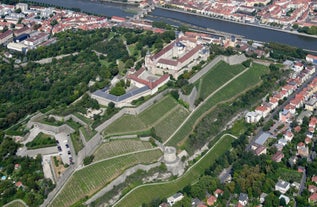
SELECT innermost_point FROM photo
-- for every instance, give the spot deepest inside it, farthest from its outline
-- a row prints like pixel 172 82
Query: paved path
pixel 172 181
pixel 203 102
pixel 49 60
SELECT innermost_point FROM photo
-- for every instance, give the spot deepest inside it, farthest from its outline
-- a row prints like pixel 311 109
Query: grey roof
pixel 102 93
pixel 262 138
pixel 282 184
pixel 176 195
pixel 243 197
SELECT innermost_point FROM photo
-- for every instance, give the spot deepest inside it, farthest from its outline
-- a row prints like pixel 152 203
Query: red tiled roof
pixel 278 155
pixel 211 200
pixel 313 197
pixel 5 34
pixel 168 62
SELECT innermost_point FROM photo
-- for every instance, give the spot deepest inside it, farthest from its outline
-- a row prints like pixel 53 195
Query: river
pixel 250 32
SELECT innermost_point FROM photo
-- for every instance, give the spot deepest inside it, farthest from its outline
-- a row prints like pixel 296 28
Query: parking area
pixel 64 148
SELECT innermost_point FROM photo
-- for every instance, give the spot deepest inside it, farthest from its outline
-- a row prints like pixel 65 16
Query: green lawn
pixel 216 77
pixel 40 141
pixel 146 193
pixel 77 142
pixel 87 132
pixel 289 175
pixel 246 80
pixel 146 119
pixel 89 180
pixel 117 147
pixel 165 128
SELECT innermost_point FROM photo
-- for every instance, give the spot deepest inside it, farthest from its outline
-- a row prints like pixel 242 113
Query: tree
pixel 54 22
pixel 175 94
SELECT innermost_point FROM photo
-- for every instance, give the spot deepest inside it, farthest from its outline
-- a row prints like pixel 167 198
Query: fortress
pixel 178 56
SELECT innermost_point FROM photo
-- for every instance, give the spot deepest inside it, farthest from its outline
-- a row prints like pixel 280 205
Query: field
pixel 165 128
pixel 117 147
pixel 89 180
pixel 146 193
pixel 144 120
pixel 239 85
pixel 216 77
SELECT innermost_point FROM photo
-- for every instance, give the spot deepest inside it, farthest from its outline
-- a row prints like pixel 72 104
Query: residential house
pixel 285 116
pixel 252 117
pixel 314 179
pixel 278 156
pixel 312 188
pixel 282 142
pixel 263 110
pixel 298 66
pixel 243 199
pixel 260 150
pixel 218 192
pixel 303 151
pixel 311 58
pixel 288 136
pixel 19 184
pixel 211 200
pixel 6 36
pixel 175 198
pixel 311 104
pixel 274 102
pixel 313 122
pixel 286 198
pixel 312 198
pixel 282 186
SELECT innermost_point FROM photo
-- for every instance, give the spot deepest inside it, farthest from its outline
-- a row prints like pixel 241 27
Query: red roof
pixel 312 188
pixel 314 179
pixel 277 156
pixel 18 184
pixel 211 200
pixel 297 129
pixel 117 19
pixel 311 56
pixel 6 34
pixel 313 197
pixel 150 84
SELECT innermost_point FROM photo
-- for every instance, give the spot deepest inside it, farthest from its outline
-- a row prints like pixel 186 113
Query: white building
pixel 17 47
pixel 176 57
pixel 282 186
pixel 175 198
pixel 252 117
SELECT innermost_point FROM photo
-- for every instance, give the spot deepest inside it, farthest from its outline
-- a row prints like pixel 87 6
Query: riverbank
pixel 235 22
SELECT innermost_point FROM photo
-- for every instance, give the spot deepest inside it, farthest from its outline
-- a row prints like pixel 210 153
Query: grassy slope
pixel 146 193
pixel 250 78
pixel 144 120
pixel 216 77
pixel 89 180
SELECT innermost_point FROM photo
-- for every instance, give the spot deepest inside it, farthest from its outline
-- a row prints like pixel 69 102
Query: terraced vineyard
pixel 117 147
pixel 144 120
pixel 165 128
pixel 89 180
pixel 146 193
pixel 246 80
pixel 216 77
